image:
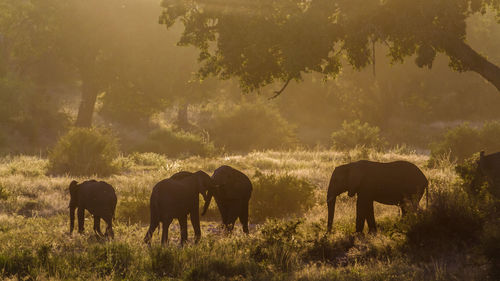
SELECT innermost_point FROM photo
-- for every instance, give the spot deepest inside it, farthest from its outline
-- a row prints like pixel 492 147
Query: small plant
pixel 176 143
pixel 355 134
pixel 279 196
pixel 84 152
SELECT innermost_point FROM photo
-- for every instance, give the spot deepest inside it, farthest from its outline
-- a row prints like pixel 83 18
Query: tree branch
pixel 277 93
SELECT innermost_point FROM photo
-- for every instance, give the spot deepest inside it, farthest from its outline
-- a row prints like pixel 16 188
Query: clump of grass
pixel 279 196
pixel 84 152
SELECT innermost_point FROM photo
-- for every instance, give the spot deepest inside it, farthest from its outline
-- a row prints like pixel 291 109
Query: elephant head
pixel 216 189
pixel 205 184
pixel 73 193
pixel 344 178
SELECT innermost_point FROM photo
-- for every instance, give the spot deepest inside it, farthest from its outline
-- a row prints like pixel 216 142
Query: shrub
pixel 279 196
pixel 355 134
pixel 249 126
pixel 463 141
pixel 84 152
pixel 176 143
pixel 449 221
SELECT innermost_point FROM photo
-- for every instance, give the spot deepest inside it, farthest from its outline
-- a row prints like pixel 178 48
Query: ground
pixel 35 243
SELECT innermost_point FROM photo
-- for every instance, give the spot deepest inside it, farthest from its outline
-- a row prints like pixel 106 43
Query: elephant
pixel 97 197
pixel 176 197
pixel 232 193
pixel 398 183
pixel 489 166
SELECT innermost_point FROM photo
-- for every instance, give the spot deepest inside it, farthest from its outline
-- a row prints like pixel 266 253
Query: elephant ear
pixel 354 179
pixel 73 186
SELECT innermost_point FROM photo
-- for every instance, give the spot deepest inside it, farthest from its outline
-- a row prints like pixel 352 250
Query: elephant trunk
pixel 331 212
pixel 207 203
pixel 71 218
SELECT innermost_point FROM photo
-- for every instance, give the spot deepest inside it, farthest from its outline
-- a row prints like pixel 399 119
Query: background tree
pixel 284 39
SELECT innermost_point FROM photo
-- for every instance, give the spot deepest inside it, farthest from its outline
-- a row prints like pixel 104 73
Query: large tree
pixel 264 41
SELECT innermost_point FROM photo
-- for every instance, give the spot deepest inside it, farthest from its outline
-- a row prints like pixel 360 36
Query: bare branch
pixel 277 93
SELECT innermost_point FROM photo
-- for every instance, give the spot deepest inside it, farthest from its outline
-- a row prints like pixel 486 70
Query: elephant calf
pixel 176 197
pixel 98 198
pixel 398 183
pixel 232 192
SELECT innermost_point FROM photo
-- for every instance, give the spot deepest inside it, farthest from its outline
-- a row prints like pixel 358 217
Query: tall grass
pixel 36 244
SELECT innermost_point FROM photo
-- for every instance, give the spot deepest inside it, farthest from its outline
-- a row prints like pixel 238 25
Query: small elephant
pixel 398 183
pixel 176 197
pixel 97 197
pixel 232 192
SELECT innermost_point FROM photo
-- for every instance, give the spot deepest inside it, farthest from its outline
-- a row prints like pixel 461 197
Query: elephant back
pixel 233 183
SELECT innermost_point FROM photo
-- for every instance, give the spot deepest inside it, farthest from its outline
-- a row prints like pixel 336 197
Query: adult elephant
pixel 232 193
pixel 489 166
pixel 175 198
pixel 97 197
pixel 398 183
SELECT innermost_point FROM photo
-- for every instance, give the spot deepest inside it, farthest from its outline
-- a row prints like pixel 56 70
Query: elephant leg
pixel 360 214
pixel 183 226
pixel 81 219
pixel 164 235
pixel 370 218
pixel 244 216
pixel 97 226
pixel 195 222
pixel 109 227
pixel 403 210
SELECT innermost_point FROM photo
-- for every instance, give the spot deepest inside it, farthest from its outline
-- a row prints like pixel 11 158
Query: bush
pixel 463 141
pixel 84 152
pixel 176 143
pixel 249 126
pixel 355 134
pixel 279 196
pixel 449 221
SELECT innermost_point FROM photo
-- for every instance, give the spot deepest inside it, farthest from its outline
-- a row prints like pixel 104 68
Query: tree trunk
pixel 87 104
pixel 474 61
pixel 182 115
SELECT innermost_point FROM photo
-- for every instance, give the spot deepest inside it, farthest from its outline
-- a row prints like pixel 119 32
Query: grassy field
pixel 35 244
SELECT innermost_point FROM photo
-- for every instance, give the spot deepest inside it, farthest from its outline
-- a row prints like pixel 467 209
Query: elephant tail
pixel 426 193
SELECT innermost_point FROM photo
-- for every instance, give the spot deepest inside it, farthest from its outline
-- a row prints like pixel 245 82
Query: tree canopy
pixel 264 41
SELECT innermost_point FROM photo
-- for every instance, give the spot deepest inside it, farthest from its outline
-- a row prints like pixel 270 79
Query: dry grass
pixel 34 214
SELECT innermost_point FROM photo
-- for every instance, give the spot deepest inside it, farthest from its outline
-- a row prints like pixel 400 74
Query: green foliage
pixel 279 196
pixel 176 143
pixel 292 38
pixel 84 151
pixel 249 126
pixel 462 141
pixel 355 134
